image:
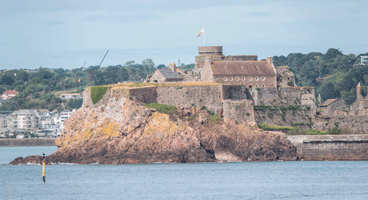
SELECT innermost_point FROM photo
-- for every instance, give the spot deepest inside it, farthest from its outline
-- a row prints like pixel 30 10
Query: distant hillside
pixel 333 74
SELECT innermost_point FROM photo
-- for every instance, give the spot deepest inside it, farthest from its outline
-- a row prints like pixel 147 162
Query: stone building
pixel 285 77
pixel 9 94
pixel 214 53
pixel 361 102
pixel 253 74
pixel 331 105
pixel 165 75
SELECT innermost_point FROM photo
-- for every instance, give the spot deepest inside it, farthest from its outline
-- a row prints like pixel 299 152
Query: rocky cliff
pixel 124 131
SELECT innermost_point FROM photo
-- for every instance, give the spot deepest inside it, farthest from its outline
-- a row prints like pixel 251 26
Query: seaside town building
pixel 364 60
pixel 9 94
pixel 41 122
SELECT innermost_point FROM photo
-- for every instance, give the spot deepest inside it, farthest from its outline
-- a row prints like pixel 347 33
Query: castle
pixel 212 66
pixel 242 89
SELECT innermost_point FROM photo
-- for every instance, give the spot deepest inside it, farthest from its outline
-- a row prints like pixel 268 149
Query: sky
pixel 68 33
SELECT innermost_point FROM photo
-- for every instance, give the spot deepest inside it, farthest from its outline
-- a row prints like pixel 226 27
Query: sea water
pixel 246 180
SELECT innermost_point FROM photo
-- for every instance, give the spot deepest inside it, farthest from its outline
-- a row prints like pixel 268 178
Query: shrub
pixel 97 93
pixel 214 118
pixel 162 108
pixel 268 127
pixel 290 83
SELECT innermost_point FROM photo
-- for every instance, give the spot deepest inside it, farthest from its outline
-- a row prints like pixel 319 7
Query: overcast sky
pixel 55 33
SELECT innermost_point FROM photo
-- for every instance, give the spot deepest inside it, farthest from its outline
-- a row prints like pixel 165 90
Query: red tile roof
pixel 11 92
pixel 242 68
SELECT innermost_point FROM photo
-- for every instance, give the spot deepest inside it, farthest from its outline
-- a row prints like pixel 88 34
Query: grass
pixel 162 108
pixel 214 119
pixel 300 131
pixel 97 93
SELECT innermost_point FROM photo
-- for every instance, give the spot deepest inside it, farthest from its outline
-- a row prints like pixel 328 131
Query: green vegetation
pixel 333 74
pixel 162 108
pixel 205 108
pixel 300 131
pixel 97 93
pixel 268 127
pixel 214 119
pixel 40 88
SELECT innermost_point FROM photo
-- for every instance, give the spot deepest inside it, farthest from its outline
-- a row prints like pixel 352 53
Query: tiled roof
pixel 11 92
pixel 328 102
pixel 242 68
pixel 168 73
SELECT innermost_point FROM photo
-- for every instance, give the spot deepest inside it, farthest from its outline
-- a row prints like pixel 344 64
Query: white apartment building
pixel 364 60
pixel 23 119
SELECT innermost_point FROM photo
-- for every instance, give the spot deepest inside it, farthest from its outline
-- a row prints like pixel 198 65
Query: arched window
pixel 225 79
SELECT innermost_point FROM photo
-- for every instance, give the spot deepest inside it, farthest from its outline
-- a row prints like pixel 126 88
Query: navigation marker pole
pixel 43 168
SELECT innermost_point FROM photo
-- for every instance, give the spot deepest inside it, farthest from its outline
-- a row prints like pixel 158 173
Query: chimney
pixel 172 66
pixel 359 92
pixel 269 60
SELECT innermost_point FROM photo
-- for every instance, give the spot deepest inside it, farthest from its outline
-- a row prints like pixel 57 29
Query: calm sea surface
pixel 262 180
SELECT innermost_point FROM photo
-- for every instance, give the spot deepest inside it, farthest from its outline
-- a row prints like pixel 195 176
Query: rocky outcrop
pixel 124 131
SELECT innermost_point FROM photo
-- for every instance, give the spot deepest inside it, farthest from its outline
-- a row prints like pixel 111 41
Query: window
pixel 262 85
pixel 225 79
pixel 237 78
pixel 263 78
pixel 256 86
pixel 243 79
pixel 250 79
pixel 231 78
pixel 256 78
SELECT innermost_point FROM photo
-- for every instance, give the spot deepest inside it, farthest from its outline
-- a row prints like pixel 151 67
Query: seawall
pixel 28 142
pixel 331 147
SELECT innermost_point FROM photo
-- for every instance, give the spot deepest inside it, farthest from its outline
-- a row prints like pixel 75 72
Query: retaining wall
pixel 28 142
pixel 331 147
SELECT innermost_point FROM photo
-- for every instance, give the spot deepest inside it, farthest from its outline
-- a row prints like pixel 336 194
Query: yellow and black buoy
pixel 43 168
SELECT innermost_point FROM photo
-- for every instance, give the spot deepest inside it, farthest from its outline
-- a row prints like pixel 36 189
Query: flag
pixel 200 32
pixel 79 80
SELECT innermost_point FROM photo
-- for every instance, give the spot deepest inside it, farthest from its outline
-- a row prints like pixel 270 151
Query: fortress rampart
pixel 285 106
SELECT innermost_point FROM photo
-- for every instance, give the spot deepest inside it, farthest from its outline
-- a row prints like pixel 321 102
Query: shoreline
pixel 24 142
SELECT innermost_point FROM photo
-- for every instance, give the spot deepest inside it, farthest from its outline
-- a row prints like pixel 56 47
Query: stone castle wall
pixel 240 111
pixel 331 147
pixel 285 106
pixel 145 95
pixel 235 92
pixel 293 115
pixel 185 96
pixel 356 124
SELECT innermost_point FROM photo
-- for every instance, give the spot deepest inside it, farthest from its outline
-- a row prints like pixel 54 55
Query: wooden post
pixel 43 168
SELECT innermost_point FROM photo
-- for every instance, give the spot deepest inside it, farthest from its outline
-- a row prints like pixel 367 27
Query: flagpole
pixel 204 38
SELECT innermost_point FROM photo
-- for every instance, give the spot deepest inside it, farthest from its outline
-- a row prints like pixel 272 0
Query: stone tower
pixel 212 52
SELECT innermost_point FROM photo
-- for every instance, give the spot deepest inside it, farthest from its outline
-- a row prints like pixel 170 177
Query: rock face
pixel 124 131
